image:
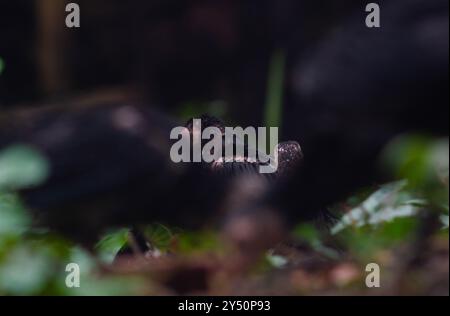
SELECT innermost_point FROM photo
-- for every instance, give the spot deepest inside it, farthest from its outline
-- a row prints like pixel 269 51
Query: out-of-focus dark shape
pixel 109 166
pixel 170 51
pixel 18 81
pixel 247 159
pixel 356 91
pixel 245 186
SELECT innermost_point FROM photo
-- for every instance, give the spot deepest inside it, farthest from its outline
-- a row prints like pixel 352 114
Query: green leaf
pixel 22 167
pixel 276 261
pixel 190 242
pixel 14 220
pixel 445 221
pixel 310 234
pixel 108 247
pixel 24 272
pixel 385 205
pixel 160 236
pixel 307 232
pixel 419 159
pixel 364 242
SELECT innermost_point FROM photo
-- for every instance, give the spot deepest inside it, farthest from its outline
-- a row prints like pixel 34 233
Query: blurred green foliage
pixel 421 160
pixel 14 219
pixel 2 65
pixel 21 167
pixel 110 244
pixel 32 261
pixel 392 214
pixel 386 204
pixel 315 239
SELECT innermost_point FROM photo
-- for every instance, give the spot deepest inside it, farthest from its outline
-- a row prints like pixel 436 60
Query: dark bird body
pixel 110 166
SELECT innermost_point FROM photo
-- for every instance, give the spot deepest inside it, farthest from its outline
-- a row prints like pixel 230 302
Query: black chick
pixel 289 154
pixel 110 166
pixel 245 183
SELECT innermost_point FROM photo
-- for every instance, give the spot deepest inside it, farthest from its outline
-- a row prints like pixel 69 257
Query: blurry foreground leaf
pixel 190 242
pixel 311 235
pixel 364 242
pixel 276 261
pixel 386 204
pixel 445 221
pixel 21 167
pixel 108 247
pixel 423 161
pixel 25 271
pixel 14 220
pixel 160 236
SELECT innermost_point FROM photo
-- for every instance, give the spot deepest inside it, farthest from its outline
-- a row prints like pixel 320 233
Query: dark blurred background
pixel 175 53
